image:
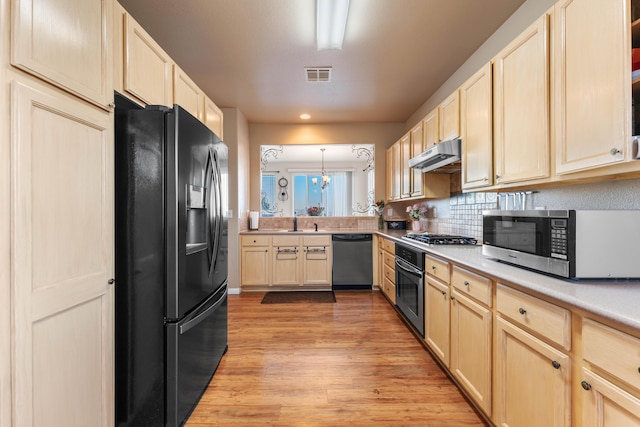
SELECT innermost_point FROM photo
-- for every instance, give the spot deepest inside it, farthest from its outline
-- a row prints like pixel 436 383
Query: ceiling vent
pixel 318 74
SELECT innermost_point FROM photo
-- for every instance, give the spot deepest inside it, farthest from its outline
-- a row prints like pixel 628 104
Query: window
pixel 334 200
pixel 268 195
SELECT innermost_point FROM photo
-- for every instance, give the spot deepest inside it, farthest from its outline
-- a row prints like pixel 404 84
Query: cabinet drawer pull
pixel 453 298
pixel 585 385
pixel 555 364
pixel 443 293
pixel 466 283
pixel 522 311
pixel 111 281
pixel 615 151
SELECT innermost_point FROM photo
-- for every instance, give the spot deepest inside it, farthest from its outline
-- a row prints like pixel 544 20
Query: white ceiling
pixel 251 54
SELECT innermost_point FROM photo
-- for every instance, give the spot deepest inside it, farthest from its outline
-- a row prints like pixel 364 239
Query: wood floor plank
pixel 349 363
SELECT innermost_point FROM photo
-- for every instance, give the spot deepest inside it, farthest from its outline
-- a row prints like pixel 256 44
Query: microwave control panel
pixel 559 246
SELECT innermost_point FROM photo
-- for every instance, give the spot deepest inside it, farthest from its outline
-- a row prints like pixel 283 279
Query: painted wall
pixel 381 135
pixel 236 136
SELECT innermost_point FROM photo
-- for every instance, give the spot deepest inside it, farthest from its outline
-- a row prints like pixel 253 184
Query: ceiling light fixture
pixel 331 22
pixel 305 116
pixel 325 178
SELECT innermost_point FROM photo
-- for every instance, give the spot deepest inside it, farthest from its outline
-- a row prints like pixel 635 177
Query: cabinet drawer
pixel 389 246
pixel 390 274
pixel 436 267
pixel 548 320
pixel 612 351
pixel 262 240
pixel 471 284
pixel 390 290
pixel 285 241
pixel 324 240
pixel 390 260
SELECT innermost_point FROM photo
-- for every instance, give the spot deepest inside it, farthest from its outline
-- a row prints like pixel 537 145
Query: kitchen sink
pixel 303 231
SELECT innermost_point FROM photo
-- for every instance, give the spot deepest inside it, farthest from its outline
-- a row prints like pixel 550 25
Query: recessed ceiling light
pixel 305 116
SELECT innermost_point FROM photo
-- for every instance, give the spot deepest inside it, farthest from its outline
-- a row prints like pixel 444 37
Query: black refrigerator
pixel 171 262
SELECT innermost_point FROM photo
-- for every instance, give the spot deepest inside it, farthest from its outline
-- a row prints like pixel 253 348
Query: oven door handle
pixel 403 265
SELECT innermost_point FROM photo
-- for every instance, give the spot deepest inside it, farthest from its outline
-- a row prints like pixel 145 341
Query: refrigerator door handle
pixel 215 210
pixel 191 323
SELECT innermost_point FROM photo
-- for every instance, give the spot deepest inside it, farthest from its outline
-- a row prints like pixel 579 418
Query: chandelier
pixel 325 177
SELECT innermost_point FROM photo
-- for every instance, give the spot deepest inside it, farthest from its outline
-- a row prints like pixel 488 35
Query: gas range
pixel 439 239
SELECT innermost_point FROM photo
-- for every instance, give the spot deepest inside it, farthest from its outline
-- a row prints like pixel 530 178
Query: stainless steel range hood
pixel 443 154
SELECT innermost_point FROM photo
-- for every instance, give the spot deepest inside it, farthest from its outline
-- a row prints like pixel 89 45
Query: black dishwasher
pixel 352 261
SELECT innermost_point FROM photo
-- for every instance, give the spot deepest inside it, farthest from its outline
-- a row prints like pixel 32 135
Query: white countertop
pixel 618 300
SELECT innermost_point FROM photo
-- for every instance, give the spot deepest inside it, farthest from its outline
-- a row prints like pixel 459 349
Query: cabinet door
pixel 449 112
pixel 437 308
pixel 67 43
pixel 389 174
pixel 256 265
pixel 605 405
pixel 317 265
pixel 186 93
pixel 521 107
pixel 471 348
pixel 393 171
pixel 416 141
pixel 286 266
pixel 431 129
pixel 147 68
pixel 63 259
pixel 476 130
pixel 532 380
pixel 591 84
pixel 403 166
pixel 213 117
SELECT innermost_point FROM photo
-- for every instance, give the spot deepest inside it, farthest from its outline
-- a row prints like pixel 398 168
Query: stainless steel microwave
pixel 580 244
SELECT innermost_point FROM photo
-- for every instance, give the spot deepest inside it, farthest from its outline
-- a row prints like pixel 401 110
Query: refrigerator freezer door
pixel 195 346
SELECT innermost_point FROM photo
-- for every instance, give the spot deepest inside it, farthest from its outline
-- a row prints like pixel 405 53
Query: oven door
pixel 410 293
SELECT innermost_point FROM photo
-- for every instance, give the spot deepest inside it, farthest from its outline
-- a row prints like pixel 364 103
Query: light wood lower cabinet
pixel 437 314
pixel 316 260
pixel 389 269
pixel 286 261
pixel 607 405
pixel 255 260
pixel 471 340
pixel 532 380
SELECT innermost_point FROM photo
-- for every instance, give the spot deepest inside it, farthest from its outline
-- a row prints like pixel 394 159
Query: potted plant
pixel 415 213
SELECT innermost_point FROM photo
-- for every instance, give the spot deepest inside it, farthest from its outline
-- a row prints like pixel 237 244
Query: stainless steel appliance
pixel 410 285
pixel 439 239
pixel 352 261
pixel 567 243
pixel 171 262
pixel 438 156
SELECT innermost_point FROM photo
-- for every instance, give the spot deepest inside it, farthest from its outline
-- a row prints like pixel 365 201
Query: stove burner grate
pixel 440 239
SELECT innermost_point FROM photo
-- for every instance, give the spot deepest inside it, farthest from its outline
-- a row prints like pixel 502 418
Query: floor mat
pixel 288 297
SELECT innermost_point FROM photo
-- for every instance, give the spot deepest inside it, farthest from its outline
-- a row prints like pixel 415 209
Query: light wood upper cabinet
pixel 449 117
pixel 591 84
pixel 148 70
pixel 393 172
pixel 213 117
pixel 186 93
pixel 431 129
pixel 403 165
pixel 476 115
pixel 67 43
pixel 63 258
pixel 521 107
pixel 416 142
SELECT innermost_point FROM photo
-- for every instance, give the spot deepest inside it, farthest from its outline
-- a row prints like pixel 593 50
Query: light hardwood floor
pixel 350 363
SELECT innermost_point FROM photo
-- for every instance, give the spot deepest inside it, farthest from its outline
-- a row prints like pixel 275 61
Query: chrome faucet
pixel 295 222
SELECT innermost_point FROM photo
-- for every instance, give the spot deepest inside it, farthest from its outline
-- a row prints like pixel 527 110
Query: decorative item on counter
pixel 315 210
pixel 379 207
pixel 415 213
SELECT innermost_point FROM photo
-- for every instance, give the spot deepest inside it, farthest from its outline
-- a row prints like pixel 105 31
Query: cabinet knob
pixel 433 267
pixel 443 293
pixel 614 151
pixel 522 311
pixel 497 176
pixel 585 385
pixel 111 281
pixel 452 298
pixel 112 105
pixel 555 364
pixel 466 283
